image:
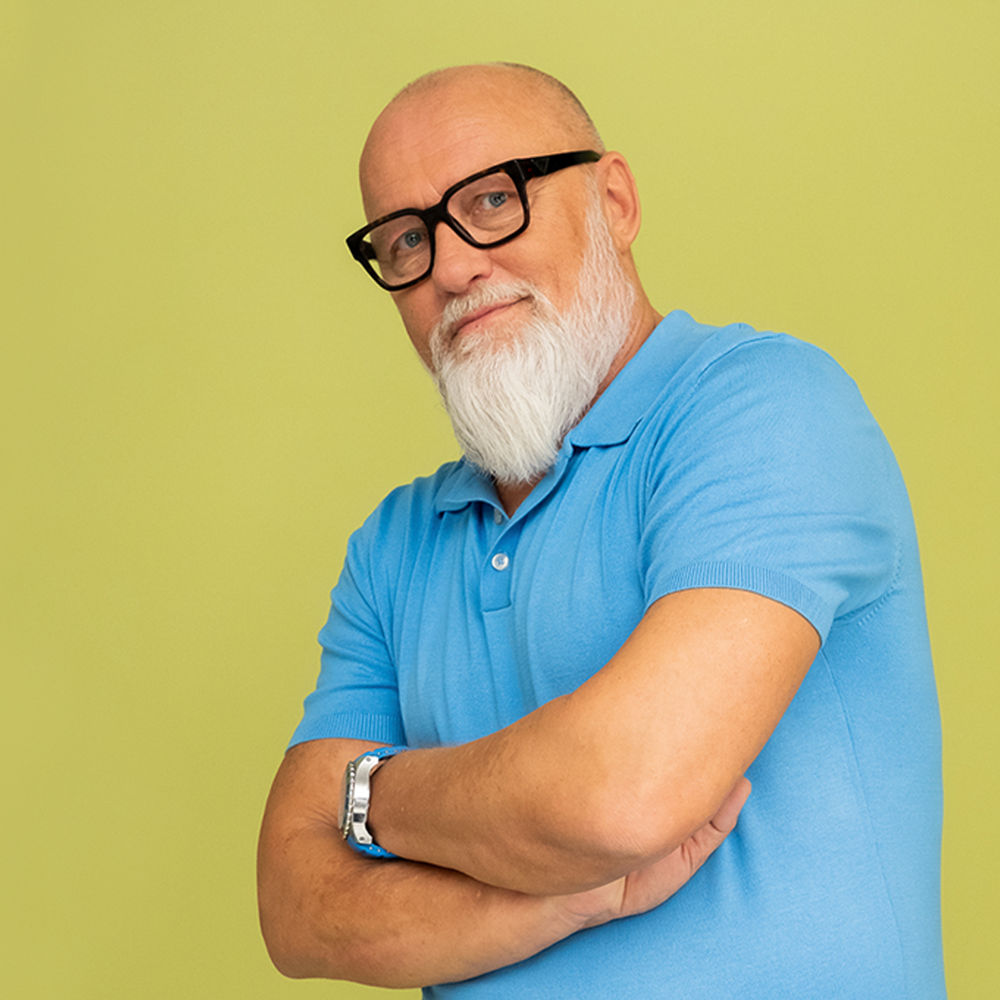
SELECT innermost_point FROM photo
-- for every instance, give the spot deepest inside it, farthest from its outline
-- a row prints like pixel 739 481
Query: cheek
pixel 418 321
pixel 551 260
pixel 559 284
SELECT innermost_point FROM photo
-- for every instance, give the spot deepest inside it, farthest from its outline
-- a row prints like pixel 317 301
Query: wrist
pixel 378 807
pixel 356 801
pixel 591 907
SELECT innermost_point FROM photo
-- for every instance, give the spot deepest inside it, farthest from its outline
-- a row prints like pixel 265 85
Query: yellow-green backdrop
pixel 202 394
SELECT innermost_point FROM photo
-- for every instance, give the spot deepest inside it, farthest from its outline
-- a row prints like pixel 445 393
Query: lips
pixel 477 314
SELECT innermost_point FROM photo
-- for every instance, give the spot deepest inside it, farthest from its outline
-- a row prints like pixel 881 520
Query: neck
pixel 645 320
pixel 512 495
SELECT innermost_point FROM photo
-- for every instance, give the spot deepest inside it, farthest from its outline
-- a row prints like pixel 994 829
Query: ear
pixel 620 199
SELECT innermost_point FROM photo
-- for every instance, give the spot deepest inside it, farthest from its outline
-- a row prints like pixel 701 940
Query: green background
pixel 202 395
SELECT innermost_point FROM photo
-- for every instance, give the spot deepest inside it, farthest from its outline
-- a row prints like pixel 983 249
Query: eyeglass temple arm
pixel 540 166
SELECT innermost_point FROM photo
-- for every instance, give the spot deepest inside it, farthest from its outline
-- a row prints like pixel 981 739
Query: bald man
pixel 671 556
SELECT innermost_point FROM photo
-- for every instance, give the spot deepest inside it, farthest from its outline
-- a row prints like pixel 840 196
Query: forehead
pixel 427 141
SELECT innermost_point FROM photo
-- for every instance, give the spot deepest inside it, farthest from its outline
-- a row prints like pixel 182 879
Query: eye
pixel 408 241
pixel 487 205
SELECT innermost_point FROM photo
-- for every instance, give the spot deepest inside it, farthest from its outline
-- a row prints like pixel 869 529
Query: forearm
pixel 511 810
pixel 619 772
pixel 327 911
pixel 333 914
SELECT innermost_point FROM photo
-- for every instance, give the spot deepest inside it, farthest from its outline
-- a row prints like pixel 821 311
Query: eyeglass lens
pixel 488 208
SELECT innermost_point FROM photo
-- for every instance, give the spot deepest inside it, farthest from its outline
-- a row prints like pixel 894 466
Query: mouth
pixel 480 317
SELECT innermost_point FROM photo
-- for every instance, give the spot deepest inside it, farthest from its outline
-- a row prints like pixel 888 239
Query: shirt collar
pixel 463 484
pixel 633 391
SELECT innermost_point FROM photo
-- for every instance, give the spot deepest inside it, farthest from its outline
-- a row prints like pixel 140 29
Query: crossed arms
pixel 597 805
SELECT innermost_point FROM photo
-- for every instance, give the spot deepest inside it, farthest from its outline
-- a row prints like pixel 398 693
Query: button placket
pixel 497 573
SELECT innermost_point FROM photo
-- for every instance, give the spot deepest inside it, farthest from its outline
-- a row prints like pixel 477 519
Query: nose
pixel 457 264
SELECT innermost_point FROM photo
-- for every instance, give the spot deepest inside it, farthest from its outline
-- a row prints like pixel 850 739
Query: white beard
pixel 513 395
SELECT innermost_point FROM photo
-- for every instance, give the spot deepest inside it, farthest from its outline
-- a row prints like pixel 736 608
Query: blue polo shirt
pixel 718 457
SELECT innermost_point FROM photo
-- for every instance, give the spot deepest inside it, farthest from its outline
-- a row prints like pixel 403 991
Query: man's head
pixel 479 309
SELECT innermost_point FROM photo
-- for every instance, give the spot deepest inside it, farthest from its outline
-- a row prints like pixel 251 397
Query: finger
pixel 725 819
pixel 696 849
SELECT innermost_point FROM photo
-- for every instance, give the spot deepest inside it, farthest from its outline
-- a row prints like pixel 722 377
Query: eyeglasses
pixel 485 210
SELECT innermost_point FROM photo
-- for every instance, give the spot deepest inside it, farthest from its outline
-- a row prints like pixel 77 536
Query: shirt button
pixel 500 561
pixel 498 517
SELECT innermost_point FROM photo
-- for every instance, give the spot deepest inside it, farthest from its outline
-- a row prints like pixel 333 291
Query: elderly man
pixel 671 555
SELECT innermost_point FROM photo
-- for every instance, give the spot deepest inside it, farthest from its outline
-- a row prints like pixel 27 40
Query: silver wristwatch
pixel 355 801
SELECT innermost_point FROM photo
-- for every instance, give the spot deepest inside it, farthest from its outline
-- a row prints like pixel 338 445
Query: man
pixel 672 554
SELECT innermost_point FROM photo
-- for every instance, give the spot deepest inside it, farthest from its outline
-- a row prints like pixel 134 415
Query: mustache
pixel 457 310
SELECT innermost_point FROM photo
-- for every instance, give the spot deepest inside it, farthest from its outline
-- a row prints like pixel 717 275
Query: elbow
pixel 289 965
pixel 628 835
pixel 284 961
pixel 304 943
pixel 283 941
pixel 623 829
pixel 297 953
pixel 593 843
pixel 300 945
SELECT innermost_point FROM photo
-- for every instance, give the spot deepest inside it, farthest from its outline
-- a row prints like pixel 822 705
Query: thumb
pixel 725 819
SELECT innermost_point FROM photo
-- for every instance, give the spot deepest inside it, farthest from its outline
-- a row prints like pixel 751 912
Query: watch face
pixel 346 800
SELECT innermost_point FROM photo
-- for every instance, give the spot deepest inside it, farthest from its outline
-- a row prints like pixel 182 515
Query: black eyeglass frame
pixel 520 172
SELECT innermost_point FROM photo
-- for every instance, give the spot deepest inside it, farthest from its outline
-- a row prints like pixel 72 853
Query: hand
pixel 647 887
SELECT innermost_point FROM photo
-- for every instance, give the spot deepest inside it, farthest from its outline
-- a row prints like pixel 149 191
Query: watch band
pixel 356 800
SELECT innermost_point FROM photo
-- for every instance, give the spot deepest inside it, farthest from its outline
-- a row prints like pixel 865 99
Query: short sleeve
pixel 356 695
pixel 771 475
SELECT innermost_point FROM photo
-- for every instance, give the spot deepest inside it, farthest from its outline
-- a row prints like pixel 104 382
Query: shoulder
pixel 771 422
pixel 761 357
pixel 756 378
pixel 381 548
pixel 761 456
pixel 411 504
